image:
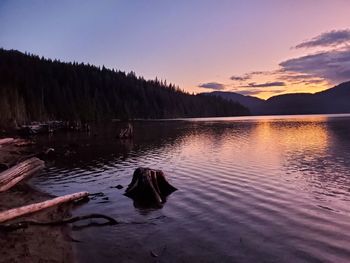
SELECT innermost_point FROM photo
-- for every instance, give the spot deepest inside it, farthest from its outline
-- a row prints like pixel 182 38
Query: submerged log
pixel 127 132
pixel 28 209
pixel 19 172
pixel 149 187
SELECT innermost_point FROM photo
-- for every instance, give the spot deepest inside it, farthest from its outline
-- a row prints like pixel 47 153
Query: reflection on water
pixel 265 189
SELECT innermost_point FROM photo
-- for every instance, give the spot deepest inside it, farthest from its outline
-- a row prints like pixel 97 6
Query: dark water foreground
pixel 265 189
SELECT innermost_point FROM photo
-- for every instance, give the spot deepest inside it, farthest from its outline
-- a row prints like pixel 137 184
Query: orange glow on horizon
pixel 289 88
pixel 293 89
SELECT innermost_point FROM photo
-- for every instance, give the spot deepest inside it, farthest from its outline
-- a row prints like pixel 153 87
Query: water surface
pixel 254 189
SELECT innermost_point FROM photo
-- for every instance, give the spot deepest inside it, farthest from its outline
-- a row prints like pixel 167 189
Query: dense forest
pixel 39 89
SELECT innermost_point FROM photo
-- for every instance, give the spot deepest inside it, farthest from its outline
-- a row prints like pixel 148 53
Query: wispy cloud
pixel 266 84
pixel 333 65
pixel 248 75
pixel 328 39
pixel 240 78
pixel 212 85
pixel 298 78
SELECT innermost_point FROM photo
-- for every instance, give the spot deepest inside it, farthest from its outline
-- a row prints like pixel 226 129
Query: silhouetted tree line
pixel 39 89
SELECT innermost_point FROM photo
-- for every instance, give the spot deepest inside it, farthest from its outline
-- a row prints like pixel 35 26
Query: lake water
pixel 254 189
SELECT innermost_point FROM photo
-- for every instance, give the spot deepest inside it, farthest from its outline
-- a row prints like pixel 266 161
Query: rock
pixel 118 186
pixel 47 154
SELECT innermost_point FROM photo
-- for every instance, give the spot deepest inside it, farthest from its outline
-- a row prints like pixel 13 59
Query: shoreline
pixel 35 243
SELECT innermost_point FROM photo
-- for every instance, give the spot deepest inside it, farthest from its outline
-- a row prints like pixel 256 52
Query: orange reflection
pixel 293 135
pixel 261 141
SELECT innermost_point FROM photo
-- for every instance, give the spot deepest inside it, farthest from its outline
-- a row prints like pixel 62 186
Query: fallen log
pixel 29 209
pixel 19 172
pixel 22 142
pixel 6 141
pixel 15 142
pixel 149 187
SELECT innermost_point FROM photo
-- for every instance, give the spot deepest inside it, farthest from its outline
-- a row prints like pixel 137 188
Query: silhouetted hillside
pixel 254 104
pixel 34 89
pixel 334 100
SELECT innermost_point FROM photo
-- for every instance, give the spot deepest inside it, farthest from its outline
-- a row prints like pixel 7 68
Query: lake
pixel 250 189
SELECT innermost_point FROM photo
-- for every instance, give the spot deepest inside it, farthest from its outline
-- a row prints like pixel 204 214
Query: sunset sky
pixel 253 47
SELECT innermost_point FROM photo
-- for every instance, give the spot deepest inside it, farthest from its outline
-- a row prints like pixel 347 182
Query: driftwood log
pixel 19 172
pixel 149 187
pixel 6 141
pixel 22 142
pixel 28 209
pixel 15 142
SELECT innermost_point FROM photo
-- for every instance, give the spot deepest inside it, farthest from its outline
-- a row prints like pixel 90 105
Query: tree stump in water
pixel 149 188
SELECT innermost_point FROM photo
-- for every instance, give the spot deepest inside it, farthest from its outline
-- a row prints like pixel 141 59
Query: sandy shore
pixel 36 243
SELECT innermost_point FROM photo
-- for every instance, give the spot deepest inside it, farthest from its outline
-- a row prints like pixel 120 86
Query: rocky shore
pixel 35 243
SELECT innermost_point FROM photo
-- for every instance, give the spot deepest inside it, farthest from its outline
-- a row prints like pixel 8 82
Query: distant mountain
pixel 254 104
pixel 333 100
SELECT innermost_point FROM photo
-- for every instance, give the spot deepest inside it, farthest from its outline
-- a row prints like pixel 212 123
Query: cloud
pixel 266 84
pixel 332 65
pixel 328 39
pixel 212 85
pixel 248 75
pixel 254 73
pixel 299 78
pixel 240 78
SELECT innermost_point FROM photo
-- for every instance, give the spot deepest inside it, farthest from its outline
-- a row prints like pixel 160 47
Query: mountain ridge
pixel 251 102
pixel 332 100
